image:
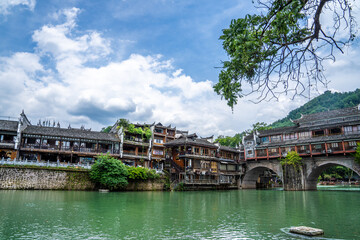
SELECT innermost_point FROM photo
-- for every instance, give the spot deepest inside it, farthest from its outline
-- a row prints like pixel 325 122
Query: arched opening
pixel 261 178
pixel 332 174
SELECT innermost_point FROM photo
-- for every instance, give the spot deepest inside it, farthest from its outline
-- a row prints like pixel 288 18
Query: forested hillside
pixel 325 102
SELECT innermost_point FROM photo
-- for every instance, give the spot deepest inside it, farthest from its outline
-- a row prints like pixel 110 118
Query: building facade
pixel 319 134
pixel 198 161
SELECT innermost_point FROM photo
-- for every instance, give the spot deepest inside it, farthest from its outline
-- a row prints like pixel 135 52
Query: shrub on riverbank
pixel 109 172
pixel 141 174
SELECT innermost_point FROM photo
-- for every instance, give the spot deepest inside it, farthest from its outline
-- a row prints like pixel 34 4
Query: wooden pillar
pixel 310 150
pixel 326 149
pixel 136 151
pixel 267 153
pixel 343 146
pixel 280 151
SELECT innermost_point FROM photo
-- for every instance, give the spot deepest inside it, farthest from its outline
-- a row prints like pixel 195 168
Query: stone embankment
pixel 44 179
pixel 25 178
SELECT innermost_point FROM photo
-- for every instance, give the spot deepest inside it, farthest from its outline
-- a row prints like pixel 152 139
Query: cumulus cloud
pixel 6 5
pixel 140 88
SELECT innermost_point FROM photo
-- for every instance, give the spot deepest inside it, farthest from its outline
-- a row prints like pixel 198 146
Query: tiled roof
pixel 329 114
pixel 275 131
pixel 230 149
pixel 72 133
pixel 6 125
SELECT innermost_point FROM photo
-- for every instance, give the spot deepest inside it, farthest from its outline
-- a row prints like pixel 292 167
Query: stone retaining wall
pixel 156 185
pixel 44 179
pixel 22 178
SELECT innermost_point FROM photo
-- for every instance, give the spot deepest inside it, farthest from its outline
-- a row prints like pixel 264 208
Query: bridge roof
pixel 353 111
pixel 275 131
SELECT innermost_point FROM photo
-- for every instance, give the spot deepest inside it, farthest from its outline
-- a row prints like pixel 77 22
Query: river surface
pixel 238 214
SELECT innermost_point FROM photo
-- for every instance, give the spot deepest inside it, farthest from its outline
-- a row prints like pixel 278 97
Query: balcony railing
pixel 7 141
pixel 201 181
pixel 70 149
pixel 26 162
pixel 197 154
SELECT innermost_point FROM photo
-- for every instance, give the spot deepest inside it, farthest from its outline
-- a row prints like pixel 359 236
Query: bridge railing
pixel 323 148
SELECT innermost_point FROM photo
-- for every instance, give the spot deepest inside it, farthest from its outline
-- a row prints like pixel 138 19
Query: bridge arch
pixel 315 170
pixel 254 170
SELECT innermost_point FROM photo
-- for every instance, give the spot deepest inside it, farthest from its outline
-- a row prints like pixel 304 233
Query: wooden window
pixel 158 152
pixel 214 166
pixel 276 138
pixel 334 131
pixel 334 145
pixel 231 167
pixel 223 167
pixel 318 133
pixel 304 135
pixel 352 144
pixel 289 136
pixel 159 140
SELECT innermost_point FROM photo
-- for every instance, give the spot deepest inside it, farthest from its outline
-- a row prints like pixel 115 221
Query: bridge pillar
pixel 293 178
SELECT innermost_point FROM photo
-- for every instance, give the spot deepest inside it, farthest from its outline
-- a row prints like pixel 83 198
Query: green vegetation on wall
pixel 292 158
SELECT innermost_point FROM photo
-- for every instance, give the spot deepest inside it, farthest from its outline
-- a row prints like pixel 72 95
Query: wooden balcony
pixel 74 149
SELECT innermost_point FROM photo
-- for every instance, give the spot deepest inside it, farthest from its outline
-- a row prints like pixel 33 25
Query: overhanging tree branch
pixel 278 51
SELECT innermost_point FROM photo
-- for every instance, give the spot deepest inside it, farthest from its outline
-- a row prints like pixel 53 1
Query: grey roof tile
pixel 72 133
pixel 7 125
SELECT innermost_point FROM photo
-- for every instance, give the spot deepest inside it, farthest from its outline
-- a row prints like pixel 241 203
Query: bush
pixel 141 174
pixel 357 154
pixel 109 172
pixel 292 158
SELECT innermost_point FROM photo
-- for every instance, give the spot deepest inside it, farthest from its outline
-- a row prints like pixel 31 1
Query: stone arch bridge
pixel 303 179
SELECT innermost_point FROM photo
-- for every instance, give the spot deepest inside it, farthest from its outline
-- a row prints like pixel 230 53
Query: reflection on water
pixel 244 214
pixel 339 187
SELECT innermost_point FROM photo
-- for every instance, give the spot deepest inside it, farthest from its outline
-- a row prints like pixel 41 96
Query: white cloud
pixel 140 88
pixel 6 5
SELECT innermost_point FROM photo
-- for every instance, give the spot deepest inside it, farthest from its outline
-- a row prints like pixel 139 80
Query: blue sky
pixel 91 62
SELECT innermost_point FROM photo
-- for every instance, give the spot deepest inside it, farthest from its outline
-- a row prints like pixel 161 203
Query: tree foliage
pixel 338 172
pixel 292 158
pixel 236 140
pixel 109 172
pixel 122 122
pixel 144 132
pixel 357 154
pixel 140 173
pixel 282 49
pixel 106 130
pixel 230 141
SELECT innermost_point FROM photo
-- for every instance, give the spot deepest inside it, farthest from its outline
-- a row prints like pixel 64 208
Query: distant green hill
pixel 325 102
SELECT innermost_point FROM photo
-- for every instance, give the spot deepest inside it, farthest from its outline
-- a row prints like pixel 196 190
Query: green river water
pixel 237 214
